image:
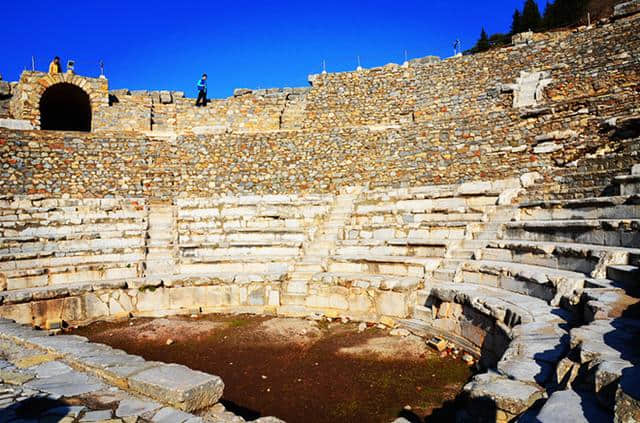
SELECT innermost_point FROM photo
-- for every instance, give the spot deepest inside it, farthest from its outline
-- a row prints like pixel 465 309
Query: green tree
pixel 547 22
pixel 516 23
pixel 531 19
pixel 499 40
pixel 566 13
pixel 483 42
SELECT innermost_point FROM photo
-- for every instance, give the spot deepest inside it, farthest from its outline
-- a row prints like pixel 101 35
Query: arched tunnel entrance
pixel 65 107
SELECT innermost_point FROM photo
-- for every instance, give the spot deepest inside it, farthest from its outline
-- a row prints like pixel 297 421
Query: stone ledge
pixel 182 387
pixel 186 389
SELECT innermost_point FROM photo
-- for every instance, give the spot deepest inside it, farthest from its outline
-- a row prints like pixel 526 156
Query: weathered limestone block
pixel 529 89
pixel 361 300
pixel 522 38
pixel 498 392
pixel 186 389
pixel 569 406
pixel 153 299
pixel 16 124
pixel 94 307
pixel 328 297
pixel 394 304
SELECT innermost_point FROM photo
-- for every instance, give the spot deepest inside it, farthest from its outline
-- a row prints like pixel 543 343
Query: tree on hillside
pixel 516 23
pixel 531 19
pixel 565 12
pixel 483 42
pixel 499 40
pixel 546 18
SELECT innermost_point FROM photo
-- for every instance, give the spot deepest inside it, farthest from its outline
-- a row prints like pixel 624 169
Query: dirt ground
pixel 300 370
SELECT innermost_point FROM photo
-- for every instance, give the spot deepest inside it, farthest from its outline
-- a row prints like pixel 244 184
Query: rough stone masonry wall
pixel 445 122
pixel 131 165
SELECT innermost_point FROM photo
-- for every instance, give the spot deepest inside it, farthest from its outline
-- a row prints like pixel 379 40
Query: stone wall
pixel 128 164
pixel 428 123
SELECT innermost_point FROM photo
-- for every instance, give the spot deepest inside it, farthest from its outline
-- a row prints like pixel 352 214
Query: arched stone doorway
pixel 65 107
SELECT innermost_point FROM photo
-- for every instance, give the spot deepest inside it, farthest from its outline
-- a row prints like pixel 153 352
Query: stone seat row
pixel 447 205
pixel 618 264
pixel 111 242
pixel 470 189
pixel 612 232
pixel 31 202
pixel 520 337
pixel 57 218
pixel 242 235
pixel 616 207
pixel 257 225
pixel 251 212
pixel 541 351
pixel 18 296
pixel 242 200
pixel 423 230
pixel 543 282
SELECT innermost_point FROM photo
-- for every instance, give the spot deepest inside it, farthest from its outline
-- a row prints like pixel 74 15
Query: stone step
pixel 536 281
pixel 407 218
pixel 610 232
pixel 297 287
pixel 391 250
pixel 392 265
pixel 487 235
pixel 627 275
pixel 617 207
pixel 584 258
pixel 461 253
pixel 385 232
pixel 309 267
pixel 570 406
pixel 422 313
pixel 240 252
pixel 444 275
pixel 369 280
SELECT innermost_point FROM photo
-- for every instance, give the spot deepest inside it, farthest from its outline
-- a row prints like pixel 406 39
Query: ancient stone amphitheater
pixel 491 200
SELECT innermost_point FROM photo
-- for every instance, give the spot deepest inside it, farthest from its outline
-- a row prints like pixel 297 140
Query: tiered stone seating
pixel 393 239
pixel 48 242
pixel 245 235
pixel 543 293
pixel 577 262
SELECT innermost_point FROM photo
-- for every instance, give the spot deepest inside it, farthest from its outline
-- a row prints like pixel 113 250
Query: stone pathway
pixel 38 386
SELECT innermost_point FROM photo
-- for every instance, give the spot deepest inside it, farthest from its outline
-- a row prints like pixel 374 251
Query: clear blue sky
pixel 251 44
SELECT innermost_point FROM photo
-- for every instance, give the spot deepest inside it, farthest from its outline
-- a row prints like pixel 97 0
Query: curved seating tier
pixel 543 293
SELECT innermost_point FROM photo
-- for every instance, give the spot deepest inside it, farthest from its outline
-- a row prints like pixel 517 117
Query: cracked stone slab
pixel 95 416
pixel 51 369
pixel 509 395
pixel 134 407
pixel 73 383
pixel 182 387
pixel 171 415
pixel 569 406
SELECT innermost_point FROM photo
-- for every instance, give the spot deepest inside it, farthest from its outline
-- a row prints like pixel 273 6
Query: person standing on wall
pixel 54 66
pixel 202 91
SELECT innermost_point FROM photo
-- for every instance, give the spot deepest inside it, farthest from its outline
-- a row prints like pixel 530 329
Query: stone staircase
pixel 316 254
pixel 161 240
pixel 163 118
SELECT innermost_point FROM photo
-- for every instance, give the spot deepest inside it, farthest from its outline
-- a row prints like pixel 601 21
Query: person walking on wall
pixel 202 91
pixel 54 66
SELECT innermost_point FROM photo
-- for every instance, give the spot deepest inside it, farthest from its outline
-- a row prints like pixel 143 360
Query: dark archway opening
pixel 65 107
